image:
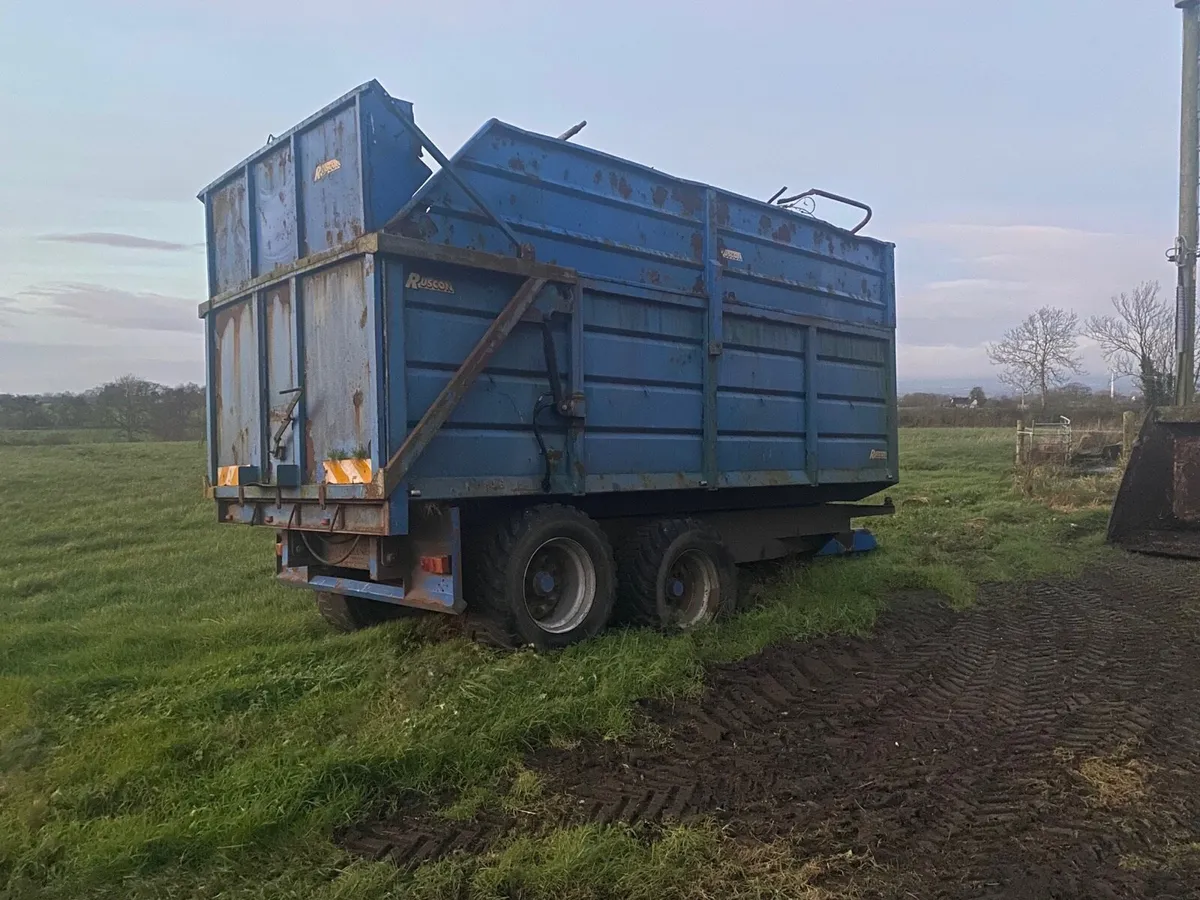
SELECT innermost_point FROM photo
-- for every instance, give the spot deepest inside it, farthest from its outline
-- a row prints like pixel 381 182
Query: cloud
pixel 33 367
pixel 974 284
pixel 107 307
pixel 12 305
pixel 962 285
pixel 113 239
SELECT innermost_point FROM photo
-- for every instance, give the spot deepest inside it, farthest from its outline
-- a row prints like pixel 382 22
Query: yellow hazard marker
pixel 347 471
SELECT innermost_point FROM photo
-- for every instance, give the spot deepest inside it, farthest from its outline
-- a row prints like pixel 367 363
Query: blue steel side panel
pixel 392 166
pixel 344 171
pixel 330 182
pixel 229 241
pixel 761 399
pixel 238 428
pixel 490 434
pixel 644 384
pixel 580 209
pixel 889 269
pixel 339 362
pixel 395 378
pixel 282 373
pixel 798 335
pixel 274 181
pixel 852 407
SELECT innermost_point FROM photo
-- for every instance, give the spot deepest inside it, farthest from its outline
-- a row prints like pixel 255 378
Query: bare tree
pixel 1039 353
pixel 1139 340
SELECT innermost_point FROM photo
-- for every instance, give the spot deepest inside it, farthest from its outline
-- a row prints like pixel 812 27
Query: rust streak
pixel 310 452
pixel 357 400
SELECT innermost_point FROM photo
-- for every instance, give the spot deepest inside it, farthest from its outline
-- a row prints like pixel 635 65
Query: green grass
pixel 55 437
pixel 172 723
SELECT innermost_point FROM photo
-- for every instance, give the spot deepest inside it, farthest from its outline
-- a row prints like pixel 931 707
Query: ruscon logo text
pixel 422 283
pixel 326 168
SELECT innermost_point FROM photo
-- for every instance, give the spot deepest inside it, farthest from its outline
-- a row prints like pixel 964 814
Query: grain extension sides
pixel 461 390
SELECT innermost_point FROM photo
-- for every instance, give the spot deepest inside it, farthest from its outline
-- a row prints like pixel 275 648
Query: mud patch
pixel 977 754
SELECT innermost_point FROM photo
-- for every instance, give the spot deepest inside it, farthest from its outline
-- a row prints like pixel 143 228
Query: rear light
pixel 436 565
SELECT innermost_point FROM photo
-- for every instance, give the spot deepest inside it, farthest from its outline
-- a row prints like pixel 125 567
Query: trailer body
pixel 394 354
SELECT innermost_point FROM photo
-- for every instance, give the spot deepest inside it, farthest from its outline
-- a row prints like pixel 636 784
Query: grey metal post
pixel 1189 210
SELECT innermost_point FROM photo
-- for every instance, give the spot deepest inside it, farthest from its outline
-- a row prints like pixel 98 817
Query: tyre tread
pixel 494 620
pixel 638 560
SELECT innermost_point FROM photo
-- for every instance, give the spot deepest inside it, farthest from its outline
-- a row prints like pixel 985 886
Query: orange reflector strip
pixel 227 476
pixel 436 565
pixel 347 471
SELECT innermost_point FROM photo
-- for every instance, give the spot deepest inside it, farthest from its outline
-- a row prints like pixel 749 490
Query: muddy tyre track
pixel 949 748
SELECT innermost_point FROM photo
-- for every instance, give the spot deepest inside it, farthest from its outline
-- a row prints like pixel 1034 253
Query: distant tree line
pixel 131 407
pixel 1074 400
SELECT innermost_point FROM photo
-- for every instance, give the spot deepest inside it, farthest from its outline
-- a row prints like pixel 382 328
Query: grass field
pixel 173 724
pixel 55 437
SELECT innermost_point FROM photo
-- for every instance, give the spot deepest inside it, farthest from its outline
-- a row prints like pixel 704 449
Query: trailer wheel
pixel 544 576
pixel 355 613
pixel 675 574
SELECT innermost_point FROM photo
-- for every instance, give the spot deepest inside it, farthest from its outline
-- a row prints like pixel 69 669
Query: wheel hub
pixel 692 588
pixel 560 585
pixel 544 583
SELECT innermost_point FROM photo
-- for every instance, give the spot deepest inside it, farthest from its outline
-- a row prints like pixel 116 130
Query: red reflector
pixel 436 565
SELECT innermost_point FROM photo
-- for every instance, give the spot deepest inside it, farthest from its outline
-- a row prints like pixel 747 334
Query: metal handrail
pixel 817 192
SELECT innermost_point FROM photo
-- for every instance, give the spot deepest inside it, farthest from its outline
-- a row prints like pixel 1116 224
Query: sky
pixel 1019 153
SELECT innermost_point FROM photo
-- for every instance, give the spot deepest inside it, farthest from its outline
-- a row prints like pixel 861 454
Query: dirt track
pixel 1045 743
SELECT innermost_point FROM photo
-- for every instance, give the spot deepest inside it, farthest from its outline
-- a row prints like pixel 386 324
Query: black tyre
pixel 354 613
pixel 545 576
pixel 675 574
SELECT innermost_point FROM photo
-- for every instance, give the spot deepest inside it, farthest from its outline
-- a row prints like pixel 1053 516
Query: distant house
pixel 963 403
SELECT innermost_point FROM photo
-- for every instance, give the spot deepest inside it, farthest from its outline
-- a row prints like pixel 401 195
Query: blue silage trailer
pixel 461 390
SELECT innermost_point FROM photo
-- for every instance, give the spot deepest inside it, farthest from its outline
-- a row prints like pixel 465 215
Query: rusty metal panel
pixel 238 431
pixel 1187 478
pixel 330 174
pixel 281 367
pixel 339 364
pixel 342 172
pixel 274 179
pixel 229 243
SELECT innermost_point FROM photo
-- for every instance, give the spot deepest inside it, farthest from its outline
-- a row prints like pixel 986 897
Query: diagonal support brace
pixel 445 403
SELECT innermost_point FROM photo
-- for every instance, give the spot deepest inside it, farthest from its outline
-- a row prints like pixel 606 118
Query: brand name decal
pixel 422 283
pixel 326 168
pixel 878 454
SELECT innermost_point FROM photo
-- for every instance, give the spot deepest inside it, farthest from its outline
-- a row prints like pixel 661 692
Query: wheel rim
pixel 691 588
pixel 560 585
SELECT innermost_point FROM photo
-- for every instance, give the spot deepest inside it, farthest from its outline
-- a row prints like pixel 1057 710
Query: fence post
pixel 1020 442
pixel 1128 420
